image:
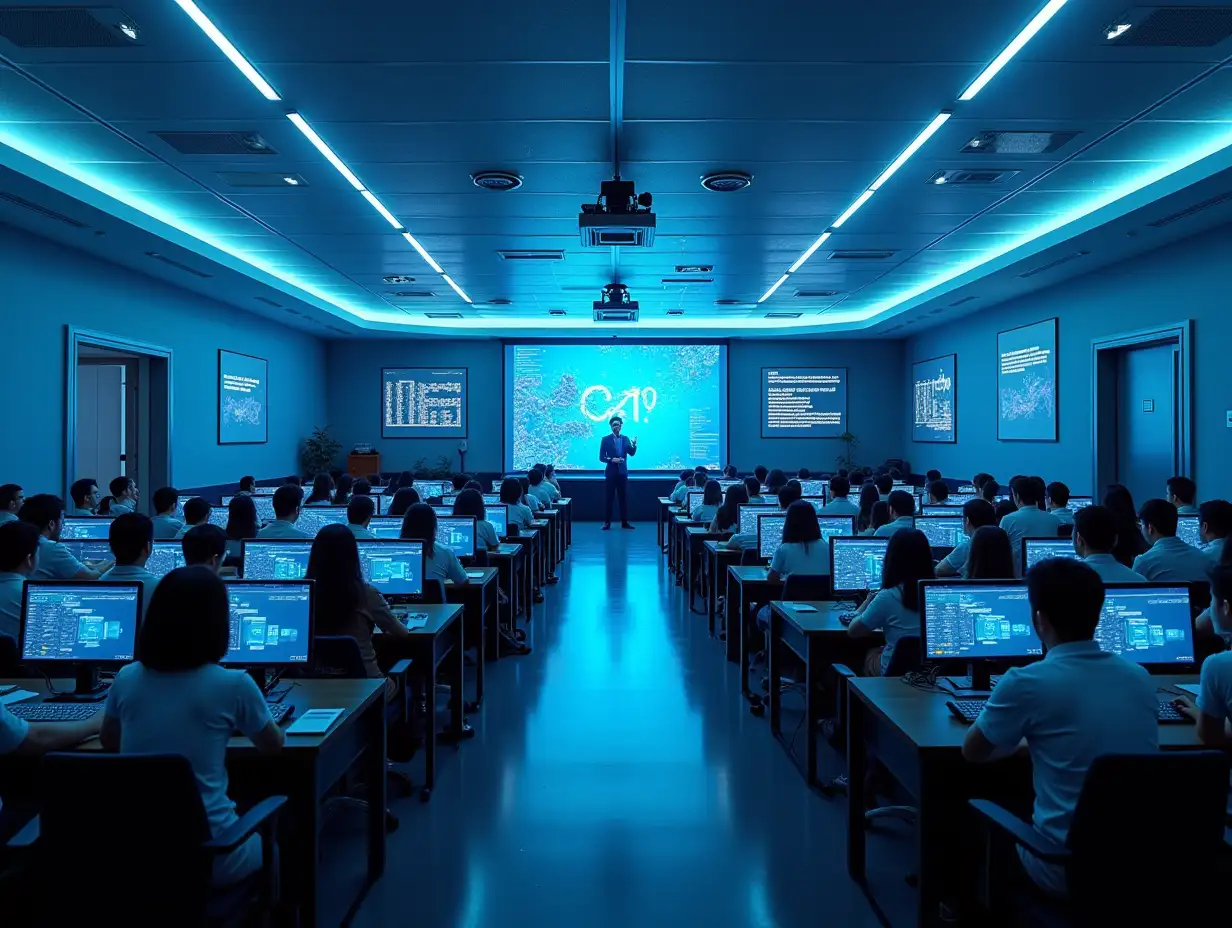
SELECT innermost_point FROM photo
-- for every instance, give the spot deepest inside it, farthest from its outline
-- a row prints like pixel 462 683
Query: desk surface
pixel 439 615
pixel 922 717
pixel 749 573
pixel 713 544
pixel 822 622
pixel 506 549
pixel 486 576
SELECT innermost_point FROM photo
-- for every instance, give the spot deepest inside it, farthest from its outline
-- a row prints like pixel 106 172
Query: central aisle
pixel 617 780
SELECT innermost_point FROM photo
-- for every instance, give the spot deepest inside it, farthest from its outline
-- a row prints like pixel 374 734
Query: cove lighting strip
pixel 245 67
pixel 1041 19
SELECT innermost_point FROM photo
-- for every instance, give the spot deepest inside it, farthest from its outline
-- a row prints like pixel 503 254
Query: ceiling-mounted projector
pixel 615 305
pixel 620 216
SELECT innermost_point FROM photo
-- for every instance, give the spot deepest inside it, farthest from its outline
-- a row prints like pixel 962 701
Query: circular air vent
pixel 496 180
pixel 727 181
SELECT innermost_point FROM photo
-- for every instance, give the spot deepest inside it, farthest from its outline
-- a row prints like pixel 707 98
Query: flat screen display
pixel 90 621
pixel 934 399
pixel 243 413
pixel 1027 383
pixel 423 402
pixel 803 402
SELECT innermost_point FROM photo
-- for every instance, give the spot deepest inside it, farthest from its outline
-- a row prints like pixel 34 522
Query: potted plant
pixel 319 452
pixel 847 458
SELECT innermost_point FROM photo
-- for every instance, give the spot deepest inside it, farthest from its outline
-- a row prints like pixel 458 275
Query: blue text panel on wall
pixel 934 399
pixel 1027 383
pixel 803 402
pixel 559 398
pixel 423 402
pixel 243 394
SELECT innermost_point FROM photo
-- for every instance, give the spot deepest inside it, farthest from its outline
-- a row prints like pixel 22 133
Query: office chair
pixel 1131 807
pixel 750 557
pixel 806 587
pixel 1065 531
pixel 161 873
pixel 434 592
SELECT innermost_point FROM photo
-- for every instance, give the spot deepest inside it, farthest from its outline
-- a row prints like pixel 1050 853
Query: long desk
pixel 913 734
pixel 478 598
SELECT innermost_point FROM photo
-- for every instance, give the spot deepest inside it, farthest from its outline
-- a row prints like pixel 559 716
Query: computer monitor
pixel 377 491
pixel 835 527
pixel 813 487
pixel 429 489
pixel 448 499
pixel 179 506
pixel 967 488
pixel 394 568
pixel 457 533
pixel 264 491
pixel 1188 529
pixel 855 564
pixel 959 499
pixel 90 550
pixel 386 526
pixel 941 531
pixel 726 482
pixel 941 510
pixel 314 518
pixel 1035 550
pixel 496 485
pixel 1078 502
pixel 96 527
pixel 84 623
pixel 498 515
pixel 978 621
pixel 770 534
pixel 443 510
pixel 816 502
pixel 264 505
pixel 219 517
pixel 1148 623
pixel 274 558
pixel 271 623
pixel 749 514
pixel 165 557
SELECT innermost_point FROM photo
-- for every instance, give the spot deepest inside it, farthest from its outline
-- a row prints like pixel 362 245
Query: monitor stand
pixel 88 687
pixel 978 679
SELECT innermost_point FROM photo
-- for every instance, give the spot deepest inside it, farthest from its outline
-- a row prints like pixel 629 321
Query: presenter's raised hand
pixel 634 441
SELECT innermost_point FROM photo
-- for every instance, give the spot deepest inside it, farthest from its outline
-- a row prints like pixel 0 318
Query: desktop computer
pixel 314 518
pixel 1188 529
pixel 82 527
pixel 457 533
pixel 431 489
pixel 274 558
pixel 727 482
pixel 981 622
pixel 394 568
pixel 264 504
pixel 1149 624
pixel 749 514
pixel 179 506
pixel 386 526
pixel 219 517
pixel 812 488
pixel 271 624
pixel 954 512
pixel 941 531
pixel 835 527
pixel 770 534
pixel 692 499
pixel 855 564
pixel 165 556
pixel 1035 550
pixel 264 491
pixel 90 550
pixel 958 499
pixel 498 515
pixel 1078 502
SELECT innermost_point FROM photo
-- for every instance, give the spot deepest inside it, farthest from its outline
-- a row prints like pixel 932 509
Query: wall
pixel 1191 279
pixel 44 287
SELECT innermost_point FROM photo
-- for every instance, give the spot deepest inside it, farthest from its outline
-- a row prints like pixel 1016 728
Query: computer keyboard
pixel 1169 714
pixel 966 710
pixel 846 618
pixel 281 711
pixel 54 711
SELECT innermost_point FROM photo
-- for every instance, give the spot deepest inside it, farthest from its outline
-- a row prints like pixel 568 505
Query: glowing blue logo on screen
pixel 641 396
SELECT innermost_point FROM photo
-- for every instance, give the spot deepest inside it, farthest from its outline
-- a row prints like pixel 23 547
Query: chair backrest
pixel 750 557
pixel 337 656
pixel 434 591
pixel 906 657
pixel 806 587
pixel 1199 597
pixel 481 558
pixel 1065 530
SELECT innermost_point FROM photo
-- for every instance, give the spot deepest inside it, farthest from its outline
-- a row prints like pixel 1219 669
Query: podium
pixel 363 465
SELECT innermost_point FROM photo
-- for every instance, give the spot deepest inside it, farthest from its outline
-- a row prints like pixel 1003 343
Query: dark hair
pixel 247 483
pixel 41 509
pixel 880 515
pixel 700 469
pixel 287 499
pixel 686 475
pixel 242 519
pixel 788 493
pixel 1130 542
pixel 933 475
pixel 18 541
pixel 1069 593
pixel 1097 527
pixel 1004 507
pixel 363 487
pixel 939 491
pixel 803 473
pixel 760 473
pixel 8 494
pixel 511 490
pixel 1058 493
pixel 470 503
pixel 535 477
pixel 908 560
pixel 294 481
pixel 81 489
pixel 868 498
pixel 203 543
pixel 322 486
pixel 188 622
pixel 990 557
pixel 730 470
pixel 473 485
pixel 801 524
pixel 459 481
pixel 1221 582
pixel 342 493
pixel 902 502
pixel 129 535
pixel 104 505
pixel 775 480
pixel 839 486
pixel 989 490
pixel 420 523
pixel 165 499
pixel 360 509
pixel 752 487
pixel 1160 515
pixel 1215 514
pixel 844 472
pixel 712 493
pixel 857 478
pixel 196 511
pixel 1028 493
pixel 549 470
pixel 403 500
pixel 333 565
pixel 1183 489
pixel 979 479
pixel 979 512
pixel 404 479
pixel 614 420
pixel 119 486
pixel 884 484
pixel 729 512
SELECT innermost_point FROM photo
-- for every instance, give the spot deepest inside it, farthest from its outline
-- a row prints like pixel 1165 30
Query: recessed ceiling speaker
pixel 496 180
pixel 727 181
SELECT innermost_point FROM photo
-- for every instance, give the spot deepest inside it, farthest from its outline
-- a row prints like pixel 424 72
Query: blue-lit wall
pixel 1189 280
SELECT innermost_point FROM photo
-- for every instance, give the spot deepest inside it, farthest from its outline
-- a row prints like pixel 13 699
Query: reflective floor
pixel 617 779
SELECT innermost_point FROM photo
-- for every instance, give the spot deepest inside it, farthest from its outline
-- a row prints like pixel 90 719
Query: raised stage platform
pixel 586 491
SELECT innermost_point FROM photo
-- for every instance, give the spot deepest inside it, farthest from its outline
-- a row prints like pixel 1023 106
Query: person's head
pixel 686 476
pixel 788 493
pixel 470 503
pixel 869 497
pixel 729 513
pixel 1159 519
pixel 122 488
pixel 84 493
pixel 902 504
pixel 197 511
pixel 752 487
pixel 840 486
pixel 511 490
pixel 760 473
pixel 131 537
pixel 1066 598
pixel 11 498
pixel 420 523
pixel 188 622
pixel 1095 530
pixel 403 500
pixel 342 492
pixel 801 523
pixel 360 510
pixel 857 478
pixel 1221 597
pixel 549 471
pixel 1003 508
pixel 884 484
pixel 700 471
pixel 333 565
pixel 45 511
pixel 616 423
pixel 1182 491
pixel 775 480
pixel 1058 495
pixel 459 482
pixel 932 476
pixel 978 480
pixel 802 473
pixel 19 543
pixel 730 472
pixel 362 487
pixel 712 493
pixel 242 521
pixel 1214 519
pixel 908 560
pixel 287 502
pixel 989 490
pixel 322 487
pixel 1041 491
pixel 294 481
pixel 535 477
pixel 1025 492
pixel 880 515
pixel 204 546
pixel 938 491
pixel 976 514
pixel 1120 502
pixel 474 485
pixel 844 472
pixel 248 483
pixel 991 556
pixel 165 500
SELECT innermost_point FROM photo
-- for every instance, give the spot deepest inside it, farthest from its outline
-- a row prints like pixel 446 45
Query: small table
pixel 662 510
pixel 718 559
pixel 509 559
pixel 565 505
pixel 745 584
pixel 476 598
pixel 676 546
pixel 695 536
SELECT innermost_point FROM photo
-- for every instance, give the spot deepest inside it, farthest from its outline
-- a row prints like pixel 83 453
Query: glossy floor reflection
pixel 617 780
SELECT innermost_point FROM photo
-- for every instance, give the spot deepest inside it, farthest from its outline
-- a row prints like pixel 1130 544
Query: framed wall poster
pixel 1027 382
pixel 243 399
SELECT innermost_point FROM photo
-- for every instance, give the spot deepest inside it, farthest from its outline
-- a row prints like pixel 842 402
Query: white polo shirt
pixel 1028 522
pixel 1172 559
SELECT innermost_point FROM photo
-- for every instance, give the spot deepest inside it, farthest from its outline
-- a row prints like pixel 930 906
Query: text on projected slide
pixel 804 402
pixel 239 404
pixel 423 403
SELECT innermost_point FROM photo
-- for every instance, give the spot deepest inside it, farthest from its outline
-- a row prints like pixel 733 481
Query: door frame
pixel 1103 406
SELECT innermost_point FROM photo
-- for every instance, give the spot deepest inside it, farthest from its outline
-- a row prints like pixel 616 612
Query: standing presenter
pixel 614 451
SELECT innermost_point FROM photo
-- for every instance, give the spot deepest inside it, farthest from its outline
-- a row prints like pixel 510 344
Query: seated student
pixel 131 537
pixel 287 508
pixel 1130 540
pixel 242 522
pixel 730 472
pixel 511 496
pixel 1214 526
pixel 775 481
pixel 938 493
pixel 1057 502
pixel 342 491
pixel 933 476
pixel 683 487
pixel 85 497
pixel 204 546
pixel 1183 494
pixel 1028 521
pixel 360 511
pixel 884 485
pixel 761 474
pixel 19 544
pixel 1094 539
pixel 55 562
pixel 902 508
pixel 546 485
pixel 470 503
pixel 727 519
pixel 403 500
pixel 895 608
pixel 474 485
pixel 459 482
pixel 166 525
pixel 124 496
pixel 990 490
pixel 786 496
pixel 538 488
pixel 177 699
pixel 869 497
pixel 196 512
pixel 440 563
pixel 712 499
pixel 1169 559
pixel 700 475
pixel 752 486
pixel 978 480
pixel 362 487
pixel 802 473
pixel 990 557
pixel 879 516
pixel 549 474
pixel 686 477
pixel 1213 709
pixel 248 486
pixel 840 504
pixel 11 499
pixel 802 550
pixel 322 491
pixel 977 513
pixel 533 503
pixel 1076 704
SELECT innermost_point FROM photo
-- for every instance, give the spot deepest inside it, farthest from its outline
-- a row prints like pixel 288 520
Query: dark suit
pixel 616 474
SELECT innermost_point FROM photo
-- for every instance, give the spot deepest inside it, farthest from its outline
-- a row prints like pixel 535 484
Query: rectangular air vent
pixel 694 268
pixel 734 304
pixel 260 179
pixel 176 264
pixel 669 281
pixel 67 27
pixel 557 312
pixel 1196 208
pixel 1015 142
pixel 41 210
pixel 1175 27
pixel 615 315
pixel 675 312
pixel 631 230
pixel 531 254
pixel 970 178
pixel 443 315
pixel 1051 264
pixel 861 255
pixel 816 294
pixel 965 299
pixel 784 315
pixel 267 301
pixel 217 143
pixel 414 295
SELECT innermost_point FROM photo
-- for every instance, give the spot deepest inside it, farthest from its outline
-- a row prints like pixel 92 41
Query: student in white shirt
pixel 196 512
pixel 322 491
pixel 529 500
pixel 540 490
pixel 19 544
pixel 11 499
pixel 360 511
pixel 880 518
pixel 989 557
pixel 840 504
pixel 248 486
pixel 1169 559
pixel 1028 521
pixel 1076 704
pixel 682 488
pixel 85 497
pixel 802 550
pixel 55 562
pixel 902 508
pixel 1057 503
pixel 166 525
pixel 752 486
pixel 470 503
pixel 177 699
pixel 1183 494
pixel 712 499
pixel 1214 526
pixel 727 519
pixel 938 493
pixel 131 537
pixel 895 608
pixel 1094 539
pixel 977 513
pixel 205 546
pixel 1213 709
pixel 287 508
pixel 124 495
pixel 440 563
pixel 511 496
pixel 549 474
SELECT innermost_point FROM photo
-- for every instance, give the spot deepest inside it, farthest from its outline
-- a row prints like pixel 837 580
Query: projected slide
pixel 1027 383
pixel 423 402
pixel 559 398
pixel 242 413
pixel 934 399
pixel 803 402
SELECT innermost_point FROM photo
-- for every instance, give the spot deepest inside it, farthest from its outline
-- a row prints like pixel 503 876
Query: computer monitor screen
pixel 1188 528
pixel 271 623
pixel 314 518
pixel 770 534
pixel 165 557
pixel 855 563
pixel 976 620
pixel 816 502
pixel 386 526
pixel 89 550
pixel 496 485
pixel 96 527
pixel 443 510
pixel 1035 550
pixel 448 499
pixel 750 514
pixel 835 527
pixel 377 491
pixel 264 491
pixel 941 531
pixel 264 504
pixel 1149 623
pixel 427 489
pixel 693 499
pixel 725 483
pixel 939 510
pixel 967 488
pixel 959 499
pixel 219 517
pixel 458 533
pixel 394 568
pixel 813 487
pixel 89 621
pixel 179 506
pixel 275 559
pixel 1078 502
pixel 493 499
pixel 498 515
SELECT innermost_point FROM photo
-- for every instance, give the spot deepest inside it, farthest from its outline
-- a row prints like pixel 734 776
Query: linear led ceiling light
pixel 938 121
pixel 1038 23
pixel 769 293
pixel 225 46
